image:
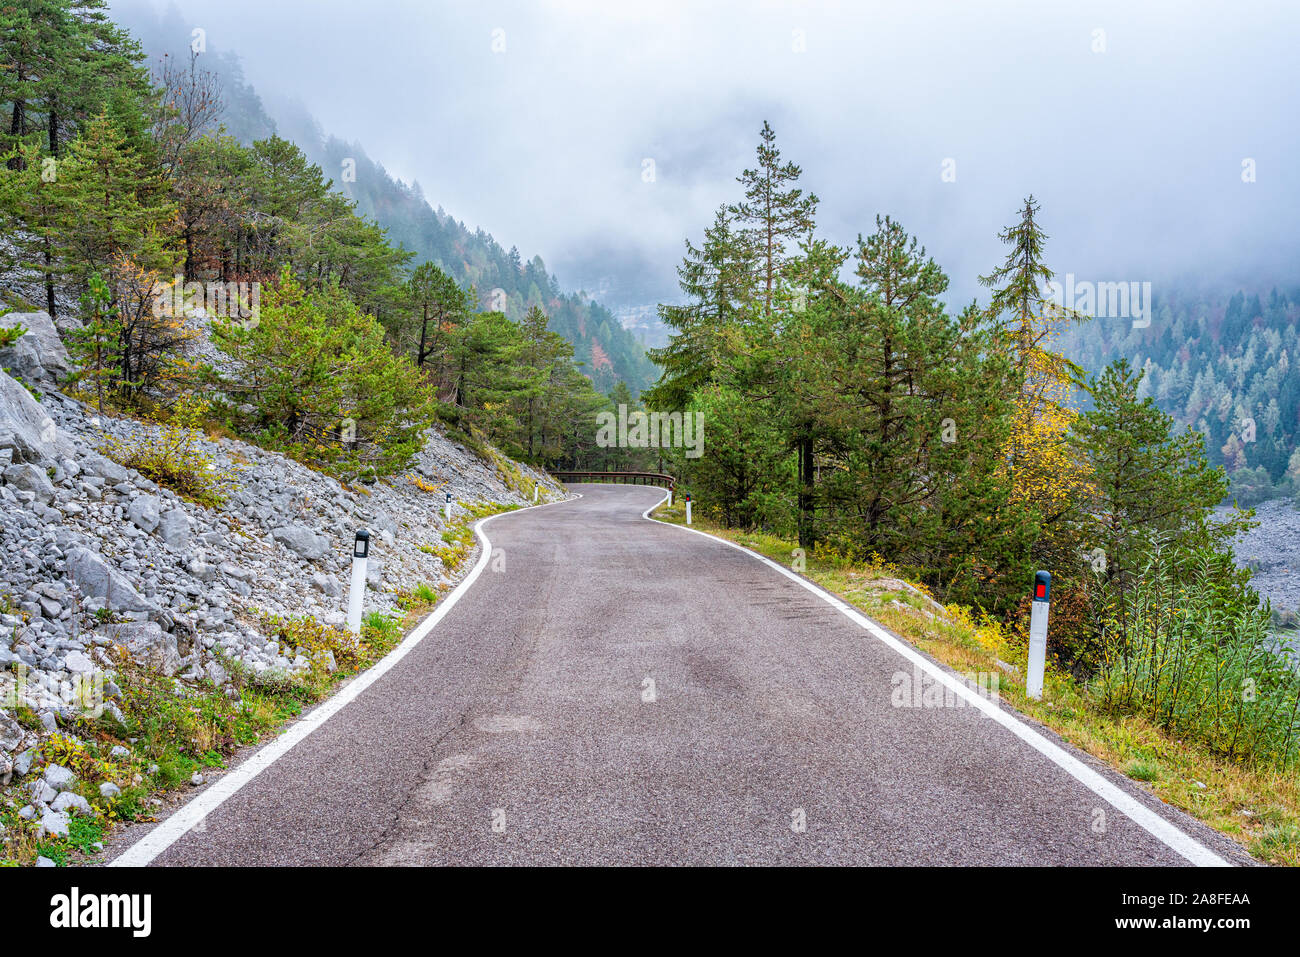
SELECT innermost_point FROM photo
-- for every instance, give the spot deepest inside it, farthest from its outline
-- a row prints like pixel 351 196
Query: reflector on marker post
pixel 447 507
pixel 688 510
pixel 1039 608
pixel 360 555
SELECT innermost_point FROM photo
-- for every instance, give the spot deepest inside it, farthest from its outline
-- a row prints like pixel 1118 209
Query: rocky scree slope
pixel 96 558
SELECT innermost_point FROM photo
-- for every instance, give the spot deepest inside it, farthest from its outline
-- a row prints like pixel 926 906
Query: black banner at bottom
pixel 140 909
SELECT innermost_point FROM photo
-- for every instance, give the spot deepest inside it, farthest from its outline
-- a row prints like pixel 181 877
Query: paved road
pixel 517 731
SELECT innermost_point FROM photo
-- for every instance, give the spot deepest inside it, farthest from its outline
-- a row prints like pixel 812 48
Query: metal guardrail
pixel 619 478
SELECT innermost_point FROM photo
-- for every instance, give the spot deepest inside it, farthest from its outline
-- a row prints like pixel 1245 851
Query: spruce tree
pixel 715 277
pixel 1018 284
pixel 1152 486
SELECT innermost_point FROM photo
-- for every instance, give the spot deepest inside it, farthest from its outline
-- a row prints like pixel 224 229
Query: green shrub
pixel 174 458
pixel 8 336
pixel 315 378
pixel 1201 664
pixel 421 595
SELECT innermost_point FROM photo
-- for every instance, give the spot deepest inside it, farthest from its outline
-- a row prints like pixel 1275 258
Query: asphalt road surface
pixel 616 691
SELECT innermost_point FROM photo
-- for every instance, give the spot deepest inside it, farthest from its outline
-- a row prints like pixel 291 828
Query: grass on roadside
pixel 1257 806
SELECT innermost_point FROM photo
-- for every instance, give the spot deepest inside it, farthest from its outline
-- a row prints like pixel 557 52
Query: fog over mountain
pixel 1130 123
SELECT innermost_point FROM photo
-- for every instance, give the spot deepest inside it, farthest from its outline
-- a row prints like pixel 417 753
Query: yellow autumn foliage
pixel 1045 471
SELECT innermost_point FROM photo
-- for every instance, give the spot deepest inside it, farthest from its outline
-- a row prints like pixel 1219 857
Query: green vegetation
pixel 10 335
pixel 171 737
pixel 340 349
pixel 1201 664
pixel 315 378
pixel 867 423
pixel 1220 365
pixel 174 458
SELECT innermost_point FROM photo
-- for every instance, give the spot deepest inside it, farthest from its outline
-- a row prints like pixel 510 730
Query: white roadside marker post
pixel 1038 634
pixel 537 491
pixel 360 554
pixel 670 498
pixel 688 510
pixel 447 508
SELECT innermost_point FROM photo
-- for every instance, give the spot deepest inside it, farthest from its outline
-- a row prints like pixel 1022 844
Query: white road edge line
pixel 169 831
pixel 1184 844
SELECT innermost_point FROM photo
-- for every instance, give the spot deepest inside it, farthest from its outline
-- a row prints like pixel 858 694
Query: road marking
pixel 168 832
pixel 1184 844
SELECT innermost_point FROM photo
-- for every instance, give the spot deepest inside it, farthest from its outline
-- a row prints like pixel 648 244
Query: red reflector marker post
pixel 1038 634
pixel 688 510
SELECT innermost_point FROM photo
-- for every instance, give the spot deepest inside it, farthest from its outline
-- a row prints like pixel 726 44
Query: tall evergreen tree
pixel 1152 485
pixel 1018 284
pixel 774 214
pixel 716 278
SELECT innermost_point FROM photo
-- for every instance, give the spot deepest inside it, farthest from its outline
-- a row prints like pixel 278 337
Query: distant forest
pixel 605 351
pixel 1223 365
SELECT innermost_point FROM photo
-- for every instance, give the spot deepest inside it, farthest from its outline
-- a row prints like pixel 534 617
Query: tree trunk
pixel 50 305
pixel 420 354
pixel 804 445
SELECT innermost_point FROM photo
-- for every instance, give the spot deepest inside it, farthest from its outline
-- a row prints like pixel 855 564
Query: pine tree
pixel 62 62
pixel 113 205
pixel 774 214
pixel 1152 486
pixel 716 280
pixel 541 354
pixel 95 344
pixel 913 407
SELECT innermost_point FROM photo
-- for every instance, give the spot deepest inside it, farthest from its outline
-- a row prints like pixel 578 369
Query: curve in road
pixel 606 690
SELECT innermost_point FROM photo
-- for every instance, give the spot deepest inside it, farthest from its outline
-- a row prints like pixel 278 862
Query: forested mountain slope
pixel 1222 364
pixel 606 352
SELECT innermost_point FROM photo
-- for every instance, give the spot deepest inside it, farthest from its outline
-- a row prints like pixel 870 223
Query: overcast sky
pixel 1129 121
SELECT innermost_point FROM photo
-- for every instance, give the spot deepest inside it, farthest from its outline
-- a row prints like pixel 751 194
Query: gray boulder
pixel 58 777
pixel 216 674
pixel 53 824
pixel 31 478
pixel 104 467
pixel 23 763
pixel 39 351
pixel 26 432
pixel 143 512
pixel 96 579
pixel 148 644
pixel 71 801
pixel 78 663
pixel 11 733
pixel 175 528
pixel 302 541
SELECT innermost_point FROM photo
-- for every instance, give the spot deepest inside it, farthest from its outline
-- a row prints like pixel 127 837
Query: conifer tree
pixel 716 278
pixel 1151 485
pixel 774 215
pixel 1018 284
